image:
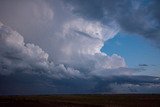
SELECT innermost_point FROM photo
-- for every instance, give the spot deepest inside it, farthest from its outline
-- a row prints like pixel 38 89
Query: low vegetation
pixel 111 100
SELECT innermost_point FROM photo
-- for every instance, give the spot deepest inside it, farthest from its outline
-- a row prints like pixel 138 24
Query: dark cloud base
pixel 28 84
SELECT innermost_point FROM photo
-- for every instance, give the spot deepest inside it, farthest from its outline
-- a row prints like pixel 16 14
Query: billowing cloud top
pixel 16 56
pixel 19 56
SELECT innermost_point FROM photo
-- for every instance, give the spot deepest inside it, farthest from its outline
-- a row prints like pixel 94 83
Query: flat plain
pixel 82 100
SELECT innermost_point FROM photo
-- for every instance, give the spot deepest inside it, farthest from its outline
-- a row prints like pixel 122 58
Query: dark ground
pixel 111 100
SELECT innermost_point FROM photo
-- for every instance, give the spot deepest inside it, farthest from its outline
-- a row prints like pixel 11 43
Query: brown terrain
pixel 107 100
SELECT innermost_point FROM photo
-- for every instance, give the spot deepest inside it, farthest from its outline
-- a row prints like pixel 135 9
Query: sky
pixel 79 46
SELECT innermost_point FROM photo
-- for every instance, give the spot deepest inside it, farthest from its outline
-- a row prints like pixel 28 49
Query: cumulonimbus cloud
pixel 83 41
pixel 67 58
pixel 76 44
pixel 16 55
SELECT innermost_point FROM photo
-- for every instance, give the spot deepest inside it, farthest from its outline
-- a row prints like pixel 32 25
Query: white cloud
pixel 60 71
pixel 83 41
pixel 89 35
pixel 74 48
pixel 92 29
pixel 75 43
pixel 15 55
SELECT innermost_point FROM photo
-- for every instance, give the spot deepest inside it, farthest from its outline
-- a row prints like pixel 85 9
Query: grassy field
pixel 111 100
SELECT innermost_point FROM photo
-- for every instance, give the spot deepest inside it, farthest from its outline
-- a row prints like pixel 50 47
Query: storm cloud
pixel 20 83
pixel 134 16
pixel 55 46
pixel 16 55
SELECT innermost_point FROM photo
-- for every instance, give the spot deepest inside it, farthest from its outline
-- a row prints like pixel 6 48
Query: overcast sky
pixel 79 46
